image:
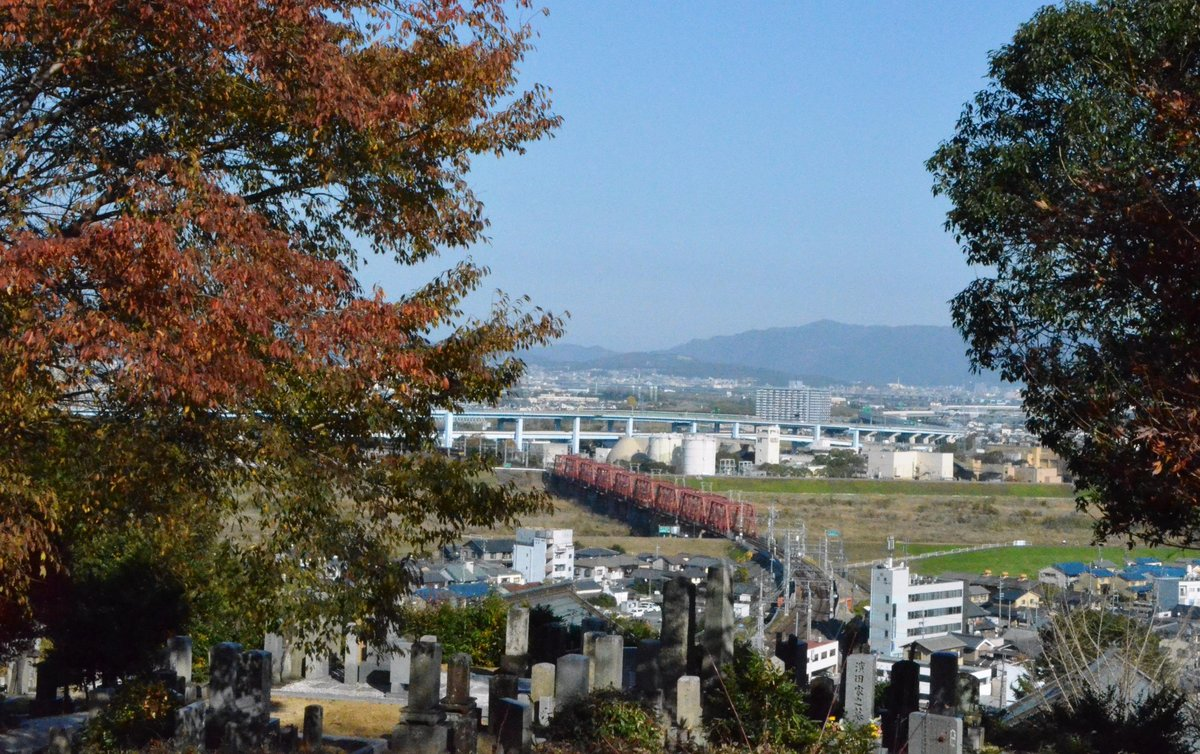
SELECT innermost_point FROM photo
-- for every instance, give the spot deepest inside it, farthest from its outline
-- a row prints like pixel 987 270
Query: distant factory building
pixel 792 404
pixel 909 464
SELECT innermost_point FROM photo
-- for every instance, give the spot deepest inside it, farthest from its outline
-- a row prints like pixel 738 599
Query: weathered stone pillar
pixel 789 654
pixel 460 706
pixel 693 651
pixel 822 698
pixel 516 724
pixel 589 650
pixel 718 622
pixel 400 666
pixel 970 711
pixel 673 655
pixel 351 660
pixel 649 673
pixel 609 658
pixel 934 734
pixel 314 727
pixel 516 642
pixel 859 684
pixel 629 668
pixel 179 657
pixel 253 698
pixel 224 662
pixel 943 683
pixel 687 704
pixel 500 686
pixel 903 699
pixel 275 644
pixel 422 731
pixel 316 665
pixel 571 682
pixel 189 725
pixel 541 691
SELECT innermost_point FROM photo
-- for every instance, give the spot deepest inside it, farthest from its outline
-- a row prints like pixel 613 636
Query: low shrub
pixel 605 722
pixel 140 712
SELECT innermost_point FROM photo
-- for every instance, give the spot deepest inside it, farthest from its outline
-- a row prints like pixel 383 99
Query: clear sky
pixel 726 166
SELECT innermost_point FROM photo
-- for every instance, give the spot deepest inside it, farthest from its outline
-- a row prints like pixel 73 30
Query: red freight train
pixel 714 512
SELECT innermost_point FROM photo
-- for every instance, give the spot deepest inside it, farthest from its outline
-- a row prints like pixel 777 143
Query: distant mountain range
pixel 819 353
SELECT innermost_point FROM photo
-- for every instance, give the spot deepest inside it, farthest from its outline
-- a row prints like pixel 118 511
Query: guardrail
pixel 936 554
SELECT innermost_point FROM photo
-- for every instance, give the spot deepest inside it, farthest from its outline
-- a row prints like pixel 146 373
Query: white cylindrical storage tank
pixel 662 447
pixel 699 456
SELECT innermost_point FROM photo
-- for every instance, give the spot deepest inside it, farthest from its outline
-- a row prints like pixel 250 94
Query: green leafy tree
pixel 757 707
pixel 1073 180
pixel 841 464
pixel 477 628
pixel 185 351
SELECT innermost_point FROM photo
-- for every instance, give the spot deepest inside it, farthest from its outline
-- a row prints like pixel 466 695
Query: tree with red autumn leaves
pixel 1075 184
pixel 189 367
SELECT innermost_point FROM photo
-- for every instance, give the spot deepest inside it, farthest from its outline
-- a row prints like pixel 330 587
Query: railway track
pixel 717 514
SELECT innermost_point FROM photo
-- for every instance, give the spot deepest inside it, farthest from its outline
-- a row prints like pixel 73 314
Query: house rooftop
pixel 594 552
pixel 1070 568
pixel 940 643
pixel 498 546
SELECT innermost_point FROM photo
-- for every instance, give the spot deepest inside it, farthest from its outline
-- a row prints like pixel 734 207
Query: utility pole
pixel 787 570
pixel 808 610
pixel 760 632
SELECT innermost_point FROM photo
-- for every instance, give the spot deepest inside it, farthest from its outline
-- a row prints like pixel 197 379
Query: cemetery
pixel 446 705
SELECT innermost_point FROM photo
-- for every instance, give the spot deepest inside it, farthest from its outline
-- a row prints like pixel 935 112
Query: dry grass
pixel 563 514
pixel 342 718
pixel 955 521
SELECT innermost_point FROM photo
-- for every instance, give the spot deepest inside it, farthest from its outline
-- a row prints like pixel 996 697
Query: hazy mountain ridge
pixel 819 352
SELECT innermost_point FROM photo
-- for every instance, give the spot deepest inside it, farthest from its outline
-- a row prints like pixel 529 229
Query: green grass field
pixel 1029 560
pixel 883 487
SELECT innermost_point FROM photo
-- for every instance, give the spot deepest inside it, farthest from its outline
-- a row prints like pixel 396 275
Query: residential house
pixel 489 550
pixel 824 659
pixel 1096 580
pixel 1062 575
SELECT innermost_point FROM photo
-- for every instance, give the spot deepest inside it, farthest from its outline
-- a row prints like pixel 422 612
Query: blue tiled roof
pixel 473 591
pixel 1070 569
pixel 1141 588
pixel 1102 573
pixel 1166 572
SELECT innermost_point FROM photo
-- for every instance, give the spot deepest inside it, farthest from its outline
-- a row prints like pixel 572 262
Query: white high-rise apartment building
pixel 906 607
pixel 792 404
pixel 545 554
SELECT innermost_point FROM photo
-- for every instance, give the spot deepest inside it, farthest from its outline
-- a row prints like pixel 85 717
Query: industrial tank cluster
pixel 691 455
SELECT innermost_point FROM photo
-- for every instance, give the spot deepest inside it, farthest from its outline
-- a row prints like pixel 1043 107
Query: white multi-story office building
pixel 545 554
pixel 792 404
pixel 906 607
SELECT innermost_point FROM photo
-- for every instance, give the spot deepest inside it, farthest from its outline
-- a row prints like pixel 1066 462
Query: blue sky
pixel 726 166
